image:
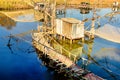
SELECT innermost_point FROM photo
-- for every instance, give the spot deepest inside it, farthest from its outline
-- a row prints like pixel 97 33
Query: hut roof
pixel 71 20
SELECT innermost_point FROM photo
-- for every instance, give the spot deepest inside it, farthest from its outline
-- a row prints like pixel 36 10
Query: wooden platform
pixel 42 44
pixel 47 49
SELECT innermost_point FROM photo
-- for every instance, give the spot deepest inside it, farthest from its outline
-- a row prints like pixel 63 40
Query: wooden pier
pixel 40 38
pixel 51 56
pixel 42 44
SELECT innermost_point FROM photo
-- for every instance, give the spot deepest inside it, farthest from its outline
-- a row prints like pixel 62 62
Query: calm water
pixel 20 61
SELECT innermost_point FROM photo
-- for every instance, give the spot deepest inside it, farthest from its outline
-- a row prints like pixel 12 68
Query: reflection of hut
pixel 39 6
pixel 84 11
pixel 73 51
pixel 70 28
pixel 115 6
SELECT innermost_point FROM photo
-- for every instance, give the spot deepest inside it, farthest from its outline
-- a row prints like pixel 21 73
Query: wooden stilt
pixel 89 36
pixel 92 36
pixel 38 28
pixel 75 59
pixel 69 55
pixel 71 41
pixel 83 39
pixel 64 38
pixel 60 37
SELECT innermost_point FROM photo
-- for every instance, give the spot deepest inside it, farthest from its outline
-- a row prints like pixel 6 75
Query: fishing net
pixel 109 32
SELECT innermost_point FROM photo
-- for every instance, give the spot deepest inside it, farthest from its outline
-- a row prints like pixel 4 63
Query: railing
pixel 55 54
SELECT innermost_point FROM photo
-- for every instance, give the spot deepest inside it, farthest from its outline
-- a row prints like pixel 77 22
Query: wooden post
pixel 75 58
pixel 69 55
pixel 45 20
pixel 92 31
pixel 53 8
pixel 65 1
pixel 71 41
pixel 92 36
pixel 89 36
pixel 38 28
pixel 61 49
pixel 64 38
pixel 83 39
pixel 90 46
pixel 60 37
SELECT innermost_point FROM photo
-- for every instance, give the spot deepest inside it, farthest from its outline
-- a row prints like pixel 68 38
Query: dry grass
pixel 5 4
pixel 13 4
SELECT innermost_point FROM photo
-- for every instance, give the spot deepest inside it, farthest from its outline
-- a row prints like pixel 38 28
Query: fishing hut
pixel 115 4
pixel 70 28
pixel 85 5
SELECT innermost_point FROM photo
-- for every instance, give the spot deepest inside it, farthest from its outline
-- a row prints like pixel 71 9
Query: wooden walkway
pixel 43 45
pixel 54 55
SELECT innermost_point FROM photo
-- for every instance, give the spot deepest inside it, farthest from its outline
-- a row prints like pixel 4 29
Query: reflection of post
pixel 65 1
pixel 92 31
pixel 85 61
pixel 115 8
pixel 90 46
pixel 83 17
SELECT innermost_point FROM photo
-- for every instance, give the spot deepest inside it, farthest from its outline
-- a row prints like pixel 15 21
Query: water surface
pixel 20 61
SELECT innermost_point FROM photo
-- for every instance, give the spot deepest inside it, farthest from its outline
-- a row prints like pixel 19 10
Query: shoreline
pixel 27 4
